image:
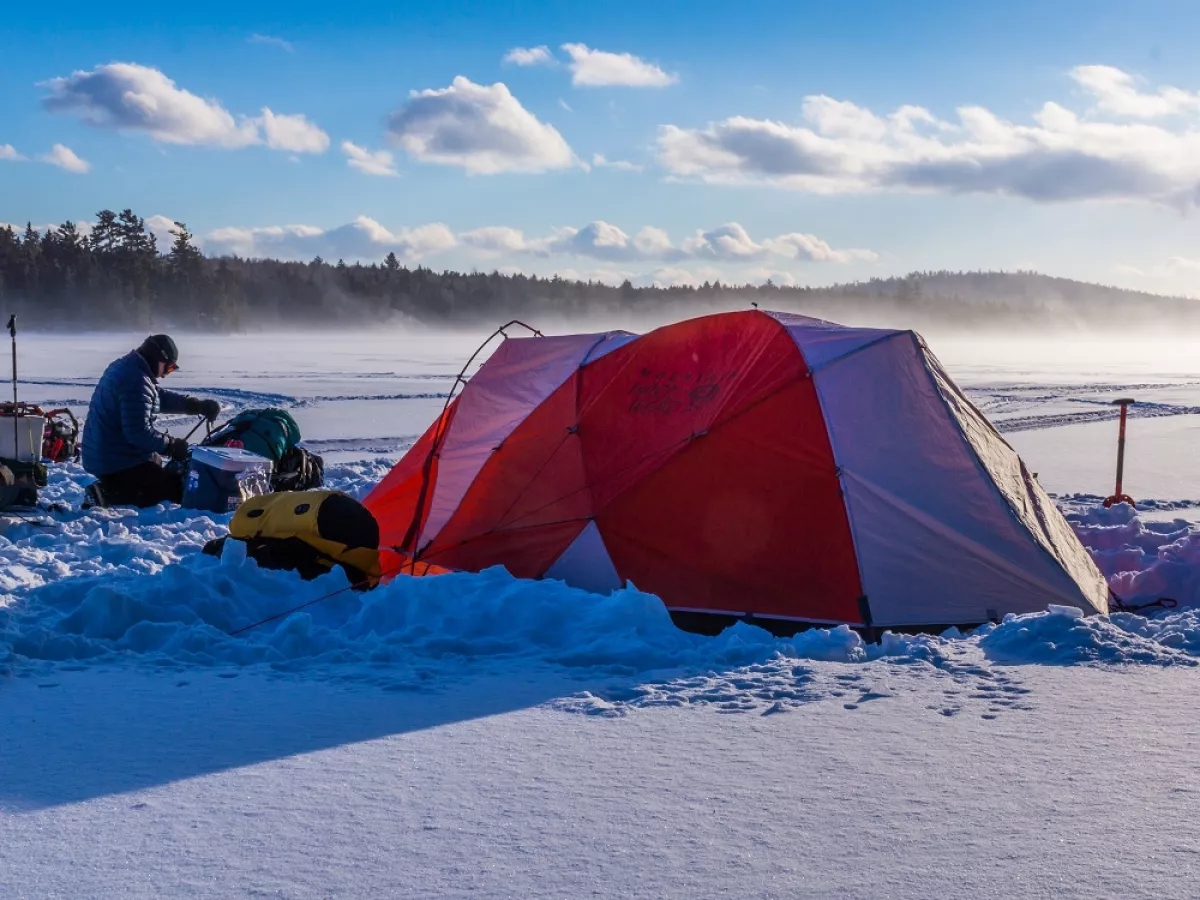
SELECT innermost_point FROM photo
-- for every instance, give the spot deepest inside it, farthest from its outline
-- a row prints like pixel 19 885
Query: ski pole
pixel 196 427
pixel 1118 494
pixel 12 331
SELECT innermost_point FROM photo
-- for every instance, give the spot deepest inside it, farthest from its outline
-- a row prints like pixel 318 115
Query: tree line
pixel 113 275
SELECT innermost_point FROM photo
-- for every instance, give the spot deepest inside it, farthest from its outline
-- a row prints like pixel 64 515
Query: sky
pixel 665 142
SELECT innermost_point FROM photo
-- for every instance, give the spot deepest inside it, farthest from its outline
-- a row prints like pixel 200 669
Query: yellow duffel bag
pixel 309 532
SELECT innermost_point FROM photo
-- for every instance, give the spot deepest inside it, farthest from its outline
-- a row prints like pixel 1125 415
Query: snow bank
pixel 117 586
pixel 1142 560
pixel 1064 636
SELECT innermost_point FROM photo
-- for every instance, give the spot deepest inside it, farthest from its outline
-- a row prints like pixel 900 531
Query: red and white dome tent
pixel 742 464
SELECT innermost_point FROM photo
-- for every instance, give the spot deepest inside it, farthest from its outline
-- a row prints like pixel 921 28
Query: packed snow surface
pixel 486 736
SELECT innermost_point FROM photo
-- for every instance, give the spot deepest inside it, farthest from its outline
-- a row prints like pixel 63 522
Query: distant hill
pixel 1019 300
pixel 115 277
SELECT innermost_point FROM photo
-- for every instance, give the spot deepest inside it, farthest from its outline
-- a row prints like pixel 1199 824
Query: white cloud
pixel 129 97
pixel 1124 269
pixel 776 277
pixel 484 130
pixel 601 162
pixel 161 227
pixel 810 247
pixel 496 240
pixel 9 152
pixel 732 243
pixel 598 68
pixel 670 276
pixel 1183 263
pixel 272 41
pixel 729 242
pixel 565 105
pixel 610 277
pixel 363 239
pixel 530 56
pixel 844 148
pixel 602 240
pixel 41 229
pixel 369 162
pixel 1116 92
pixel 294 134
pixel 65 158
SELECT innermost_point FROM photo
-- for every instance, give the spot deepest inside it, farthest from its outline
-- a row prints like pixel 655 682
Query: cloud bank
pixel 1061 155
pixel 368 240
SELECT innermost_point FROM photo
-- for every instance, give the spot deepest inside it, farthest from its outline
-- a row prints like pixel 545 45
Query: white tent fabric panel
pixel 926 573
pixel 931 529
pixel 521 374
pixel 586 564
pixel 1029 503
pixel 821 342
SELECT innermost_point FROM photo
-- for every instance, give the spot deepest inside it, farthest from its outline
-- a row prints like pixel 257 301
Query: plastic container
pixel 220 478
pixel 21 437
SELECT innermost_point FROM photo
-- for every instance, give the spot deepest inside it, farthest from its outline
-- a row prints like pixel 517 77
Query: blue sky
pixel 808 142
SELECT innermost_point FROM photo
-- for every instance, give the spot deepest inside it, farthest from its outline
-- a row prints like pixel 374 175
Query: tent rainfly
pixel 746 464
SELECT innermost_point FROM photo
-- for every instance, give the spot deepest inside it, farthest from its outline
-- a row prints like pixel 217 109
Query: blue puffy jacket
pixel 119 432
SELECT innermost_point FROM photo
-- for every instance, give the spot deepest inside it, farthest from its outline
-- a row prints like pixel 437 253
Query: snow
pixel 481 735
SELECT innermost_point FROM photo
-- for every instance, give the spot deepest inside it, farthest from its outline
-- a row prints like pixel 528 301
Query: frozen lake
pixel 357 394
pixel 473 735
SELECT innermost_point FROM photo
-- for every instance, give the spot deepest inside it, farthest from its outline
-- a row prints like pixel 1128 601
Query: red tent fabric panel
pixel 535 477
pixel 525 552
pixel 644 402
pixel 393 502
pixel 747 518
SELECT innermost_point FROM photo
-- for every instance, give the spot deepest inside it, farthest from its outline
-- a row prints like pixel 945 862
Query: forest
pixel 112 274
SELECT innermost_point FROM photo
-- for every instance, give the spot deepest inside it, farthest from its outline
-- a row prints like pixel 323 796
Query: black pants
pixel 146 484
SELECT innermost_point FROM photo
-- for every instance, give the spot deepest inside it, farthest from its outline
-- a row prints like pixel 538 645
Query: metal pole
pixel 12 331
pixel 1119 496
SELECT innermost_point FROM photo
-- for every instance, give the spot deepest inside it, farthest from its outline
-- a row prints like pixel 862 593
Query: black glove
pixel 177 449
pixel 210 409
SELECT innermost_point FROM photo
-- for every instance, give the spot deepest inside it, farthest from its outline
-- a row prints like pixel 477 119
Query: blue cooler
pixel 220 478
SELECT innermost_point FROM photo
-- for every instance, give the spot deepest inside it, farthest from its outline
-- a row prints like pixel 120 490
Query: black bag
pixel 298 470
pixel 19 482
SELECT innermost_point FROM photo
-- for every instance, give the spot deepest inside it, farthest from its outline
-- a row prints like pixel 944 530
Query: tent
pixel 746 464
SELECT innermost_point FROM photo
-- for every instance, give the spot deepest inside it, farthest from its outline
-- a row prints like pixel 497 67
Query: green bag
pixel 267 432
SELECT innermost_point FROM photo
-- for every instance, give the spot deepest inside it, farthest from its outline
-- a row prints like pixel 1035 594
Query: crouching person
pixel 122 445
